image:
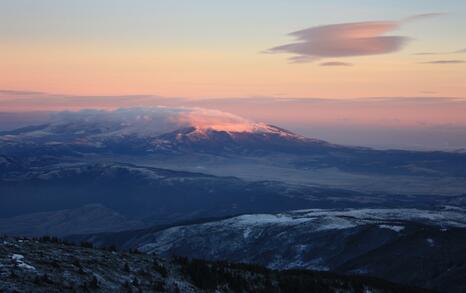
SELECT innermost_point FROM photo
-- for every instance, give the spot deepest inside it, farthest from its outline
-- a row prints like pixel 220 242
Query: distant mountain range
pixel 68 198
pixel 165 134
pixel 162 165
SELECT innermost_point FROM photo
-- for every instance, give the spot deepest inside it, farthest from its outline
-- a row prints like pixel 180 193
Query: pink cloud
pixel 346 40
pixel 356 30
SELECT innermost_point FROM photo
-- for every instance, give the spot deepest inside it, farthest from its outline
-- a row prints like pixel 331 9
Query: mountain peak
pixel 161 129
pixel 147 122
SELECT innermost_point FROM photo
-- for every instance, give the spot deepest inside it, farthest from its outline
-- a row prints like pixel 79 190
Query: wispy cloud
pixel 429 53
pixel 19 92
pixel 423 16
pixel 445 62
pixel 335 63
pixel 18 100
pixel 346 40
pixel 462 51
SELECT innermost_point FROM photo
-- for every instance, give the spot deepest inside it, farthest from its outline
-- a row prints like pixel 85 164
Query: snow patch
pixel 453 218
pixel 392 227
pixel 246 233
pixel 19 261
pixel 431 242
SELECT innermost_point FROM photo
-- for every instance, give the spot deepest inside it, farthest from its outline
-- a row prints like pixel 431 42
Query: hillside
pixel 48 265
pixel 424 248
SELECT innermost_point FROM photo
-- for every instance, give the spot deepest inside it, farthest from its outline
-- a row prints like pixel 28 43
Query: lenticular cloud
pixel 343 40
pixel 346 40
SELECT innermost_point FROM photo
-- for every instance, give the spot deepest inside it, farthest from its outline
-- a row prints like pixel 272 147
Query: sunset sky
pixel 398 64
pixel 200 49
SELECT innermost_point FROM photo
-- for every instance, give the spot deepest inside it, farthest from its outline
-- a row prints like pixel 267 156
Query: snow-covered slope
pixel 299 239
pixel 386 243
pixel 403 245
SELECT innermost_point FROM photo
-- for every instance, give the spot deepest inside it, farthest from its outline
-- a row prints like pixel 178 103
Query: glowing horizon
pixel 209 49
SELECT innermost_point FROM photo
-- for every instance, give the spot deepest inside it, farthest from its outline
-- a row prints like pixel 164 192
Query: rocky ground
pixel 50 265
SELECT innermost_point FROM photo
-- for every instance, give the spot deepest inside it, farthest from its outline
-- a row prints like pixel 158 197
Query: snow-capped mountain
pixel 142 123
pixel 218 143
pixel 187 170
pixel 158 130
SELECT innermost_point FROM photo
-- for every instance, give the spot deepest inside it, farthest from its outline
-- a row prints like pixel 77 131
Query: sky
pixel 214 48
pixel 355 55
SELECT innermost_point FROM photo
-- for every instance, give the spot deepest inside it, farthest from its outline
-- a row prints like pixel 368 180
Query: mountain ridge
pixel 355 241
pixel 38 265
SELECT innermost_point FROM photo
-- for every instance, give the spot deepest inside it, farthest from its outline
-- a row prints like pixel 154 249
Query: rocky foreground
pixel 50 265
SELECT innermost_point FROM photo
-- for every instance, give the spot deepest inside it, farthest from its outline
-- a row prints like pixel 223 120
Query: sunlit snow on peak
pixel 157 120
